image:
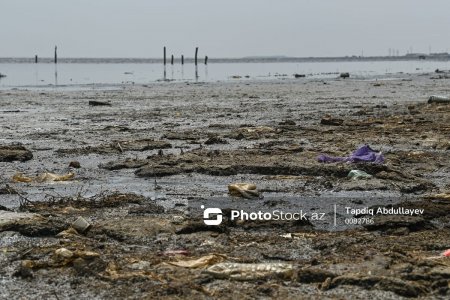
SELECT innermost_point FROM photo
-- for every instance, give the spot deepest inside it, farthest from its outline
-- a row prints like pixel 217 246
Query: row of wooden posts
pixel 171 60
pixel 182 57
pixel 55 60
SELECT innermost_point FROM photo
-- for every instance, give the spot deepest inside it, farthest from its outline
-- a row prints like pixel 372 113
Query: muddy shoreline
pixel 157 152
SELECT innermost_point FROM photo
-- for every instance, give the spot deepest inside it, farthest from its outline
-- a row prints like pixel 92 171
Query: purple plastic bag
pixel 362 154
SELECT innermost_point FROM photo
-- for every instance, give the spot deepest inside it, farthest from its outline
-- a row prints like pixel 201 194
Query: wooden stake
pixel 35 59
pixel 182 59
pixel 206 60
pixel 164 55
pixel 171 60
pixel 56 55
pixel 196 53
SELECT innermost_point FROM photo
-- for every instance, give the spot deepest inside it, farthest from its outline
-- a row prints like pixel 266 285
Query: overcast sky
pixel 231 28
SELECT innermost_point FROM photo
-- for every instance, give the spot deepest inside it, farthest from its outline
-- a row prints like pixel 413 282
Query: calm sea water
pixel 91 74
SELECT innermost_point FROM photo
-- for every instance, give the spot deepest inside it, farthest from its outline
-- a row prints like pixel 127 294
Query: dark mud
pixel 151 158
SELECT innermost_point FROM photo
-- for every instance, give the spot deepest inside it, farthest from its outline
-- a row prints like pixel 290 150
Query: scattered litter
pixel 44 177
pixel 81 225
pixel 201 262
pixel 63 253
pixel 246 190
pixel 443 196
pixel 362 154
pixel 444 254
pixel 18 177
pixel 358 174
pixel 86 254
pixel 241 271
pixel 439 99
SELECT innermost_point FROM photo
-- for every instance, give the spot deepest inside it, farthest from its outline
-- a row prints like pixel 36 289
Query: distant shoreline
pixel 283 59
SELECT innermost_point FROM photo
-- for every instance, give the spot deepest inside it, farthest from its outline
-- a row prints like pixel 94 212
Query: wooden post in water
pixel 35 59
pixel 171 60
pixel 182 59
pixel 206 59
pixel 56 55
pixel 196 53
pixel 164 55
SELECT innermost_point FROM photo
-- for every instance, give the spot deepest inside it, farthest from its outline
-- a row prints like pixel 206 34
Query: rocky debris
pixel 287 123
pixel 392 224
pixel 313 275
pixel 254 132
pixel 344 75
pixel 398 286
pixel 132 236
pixel 8 218
pixel 7 190
pixel 329 120
pixel 184 135
pixel 126 164
pixel 30 224
pixel 75 164
pixel 99 103
pixel 251 161
pixel 280 147
pixel 215 140
pixel 118 147
pixel 14 153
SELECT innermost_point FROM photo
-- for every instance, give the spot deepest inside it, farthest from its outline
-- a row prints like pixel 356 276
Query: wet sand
pixel 158 152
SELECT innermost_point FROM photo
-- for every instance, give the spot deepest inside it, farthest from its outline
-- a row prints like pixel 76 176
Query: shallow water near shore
pixel 97 75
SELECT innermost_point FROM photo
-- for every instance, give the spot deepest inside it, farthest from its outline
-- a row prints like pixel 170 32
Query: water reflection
pixel 56 75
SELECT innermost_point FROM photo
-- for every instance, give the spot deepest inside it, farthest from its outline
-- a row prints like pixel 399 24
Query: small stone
pixel 75 164
pixel 14 153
